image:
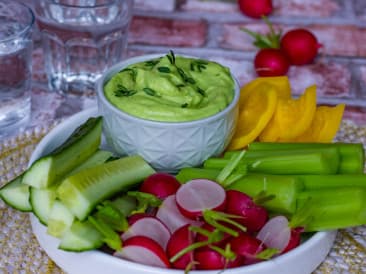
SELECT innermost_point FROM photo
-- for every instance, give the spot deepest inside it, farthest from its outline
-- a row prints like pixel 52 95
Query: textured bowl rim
pixel 117 67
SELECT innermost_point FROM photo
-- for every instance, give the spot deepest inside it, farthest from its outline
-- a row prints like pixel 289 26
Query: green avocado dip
pixel 171 89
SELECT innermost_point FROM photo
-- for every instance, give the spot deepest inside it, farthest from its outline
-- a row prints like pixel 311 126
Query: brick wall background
pixel 210 28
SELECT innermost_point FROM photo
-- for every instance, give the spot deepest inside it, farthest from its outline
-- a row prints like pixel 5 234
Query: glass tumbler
pixel 81 39
pixel 16 25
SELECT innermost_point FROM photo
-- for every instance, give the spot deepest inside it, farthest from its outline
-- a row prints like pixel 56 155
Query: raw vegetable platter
pixel 305 258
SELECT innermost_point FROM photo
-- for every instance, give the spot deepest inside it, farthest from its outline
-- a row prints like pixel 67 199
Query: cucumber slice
pixel 80 145
pixel 42 199
pixel 60 219
pixel 82 191
pixel 16 195
pixel 81 236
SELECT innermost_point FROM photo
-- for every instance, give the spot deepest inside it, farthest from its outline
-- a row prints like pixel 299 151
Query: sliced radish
pixel 161 185
pixel 141 249
pixel 137 216
pixel 180 239
pixel 253 216
pixel 170 215
pixel 150 227
pixel 276 233
pixel 198 195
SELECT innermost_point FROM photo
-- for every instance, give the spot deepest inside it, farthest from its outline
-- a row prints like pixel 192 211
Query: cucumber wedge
pixel 16 195
pixel 81 236
pixel 82 191
pixel 42 199
pixel 80 145
pixel 60 219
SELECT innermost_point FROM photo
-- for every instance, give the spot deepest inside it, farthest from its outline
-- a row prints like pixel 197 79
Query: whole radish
pixel 248 247
pixel 295 239
pixel 255 8
pixel 271 62
pixel 300 46
pixel 160 184
pixel 180 239
pixel 209 259
pixel 253 216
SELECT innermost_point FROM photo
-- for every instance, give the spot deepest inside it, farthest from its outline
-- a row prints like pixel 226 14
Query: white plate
pixel 302 260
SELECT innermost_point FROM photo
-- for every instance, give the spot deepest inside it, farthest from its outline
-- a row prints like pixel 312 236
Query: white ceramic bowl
pixel 167 146
pixel 301 260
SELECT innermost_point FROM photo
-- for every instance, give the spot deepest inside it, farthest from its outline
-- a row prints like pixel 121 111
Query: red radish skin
pixel 300 46
pixel 253 216
pixel 271 62
pixel 209 259
pixel 150 227
pixel 198 195
pixel 161 185
pixel 171 216
pixel 143 250
pixel 248 247
pixel 276 233
pixel 255 8
pixel 295 239
pixel 180 239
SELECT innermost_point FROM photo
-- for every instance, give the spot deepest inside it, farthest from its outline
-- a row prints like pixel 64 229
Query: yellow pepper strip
pixel 256 110
pixel 281 83
pixel 324 126
pixel 292 117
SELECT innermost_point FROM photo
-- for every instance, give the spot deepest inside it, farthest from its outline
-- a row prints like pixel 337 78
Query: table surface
pixel 209 29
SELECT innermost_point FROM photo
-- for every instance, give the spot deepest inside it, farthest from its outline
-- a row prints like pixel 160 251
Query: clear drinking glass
pixel 81 39
pixel 16 24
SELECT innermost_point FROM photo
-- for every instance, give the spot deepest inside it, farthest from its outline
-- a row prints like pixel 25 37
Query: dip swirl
pixel 171 89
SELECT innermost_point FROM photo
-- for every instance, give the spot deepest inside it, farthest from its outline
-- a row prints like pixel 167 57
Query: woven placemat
pixel 21 253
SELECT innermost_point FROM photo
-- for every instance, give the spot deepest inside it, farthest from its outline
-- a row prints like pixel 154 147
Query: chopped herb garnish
pixel 132 72
pixel 198 65
pixel 201 91
pixel 171 57
pixel 180 86
pixel 191 80
pixel 164 69
pixel 184 105
pixel 152 63
pixel 123 91
pixel 149 91
pixel 185 77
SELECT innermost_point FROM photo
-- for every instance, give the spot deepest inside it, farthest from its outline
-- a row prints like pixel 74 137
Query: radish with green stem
pixel 253 216
pixel 150 227
pixel 248 247
pixel 199 195
pixel 141 249
pixel 180 240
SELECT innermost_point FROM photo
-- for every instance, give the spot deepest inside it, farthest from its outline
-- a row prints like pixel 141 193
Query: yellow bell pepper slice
pixel 324 126
pixel 281 83
pixel 256 110
pixel 291 118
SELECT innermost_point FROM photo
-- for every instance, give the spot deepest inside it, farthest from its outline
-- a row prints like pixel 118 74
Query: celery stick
pixel 312 182
pixel 284 188
pixel 297 161
pixel 352 154
pixel 189 173
pixel 328 209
